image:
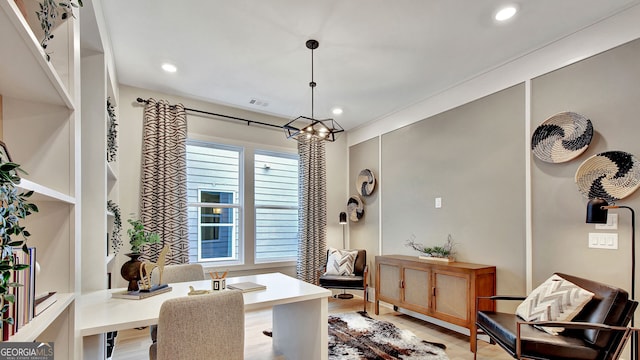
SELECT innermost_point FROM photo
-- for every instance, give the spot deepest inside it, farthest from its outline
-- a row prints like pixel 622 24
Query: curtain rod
pixel 249 122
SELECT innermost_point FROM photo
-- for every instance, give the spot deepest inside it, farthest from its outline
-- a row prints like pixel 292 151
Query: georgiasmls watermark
pixel 26 351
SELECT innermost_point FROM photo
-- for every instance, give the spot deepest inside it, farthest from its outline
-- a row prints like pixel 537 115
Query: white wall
pixel 223 131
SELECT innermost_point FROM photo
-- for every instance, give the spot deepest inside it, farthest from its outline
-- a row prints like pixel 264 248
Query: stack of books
pixel 22 310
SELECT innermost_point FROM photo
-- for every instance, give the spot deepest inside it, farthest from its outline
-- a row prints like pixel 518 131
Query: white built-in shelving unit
pixel 99 177
pixel 41 128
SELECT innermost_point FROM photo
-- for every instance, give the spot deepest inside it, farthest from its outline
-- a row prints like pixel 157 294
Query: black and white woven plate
pixel 562 137
pixel 611 175
pixel 355 208
pixel 366 182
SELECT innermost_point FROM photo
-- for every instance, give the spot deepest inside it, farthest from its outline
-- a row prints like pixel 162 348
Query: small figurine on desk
pixel 147 267
pixel 193 291
pixel 218 282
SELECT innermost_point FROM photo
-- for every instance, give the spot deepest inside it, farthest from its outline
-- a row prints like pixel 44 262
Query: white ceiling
pixel 375 57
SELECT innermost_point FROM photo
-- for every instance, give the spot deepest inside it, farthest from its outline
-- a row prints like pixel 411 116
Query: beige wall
pixel 477 158
pixel 605 89
pixel 365 234
pixel 471 159
pixel 223 131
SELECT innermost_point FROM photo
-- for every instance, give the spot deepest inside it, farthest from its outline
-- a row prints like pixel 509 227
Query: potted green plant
pixel 138 237
pixel 14 207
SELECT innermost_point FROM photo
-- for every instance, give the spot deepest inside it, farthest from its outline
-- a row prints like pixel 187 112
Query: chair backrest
pixel 202 327
pixel 179 273
pixel 610 306
pixel 361 262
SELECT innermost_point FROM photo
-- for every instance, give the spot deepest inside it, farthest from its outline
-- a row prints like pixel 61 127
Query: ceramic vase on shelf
pixel 130 271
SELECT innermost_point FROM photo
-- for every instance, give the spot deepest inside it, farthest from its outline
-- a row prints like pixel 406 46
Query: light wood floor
pixel 134 344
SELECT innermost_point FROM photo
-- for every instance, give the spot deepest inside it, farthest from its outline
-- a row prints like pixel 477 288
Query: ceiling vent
pixel 258 102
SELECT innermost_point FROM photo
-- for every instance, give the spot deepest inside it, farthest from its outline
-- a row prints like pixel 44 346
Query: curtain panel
pixel 312 239
pixel 163 190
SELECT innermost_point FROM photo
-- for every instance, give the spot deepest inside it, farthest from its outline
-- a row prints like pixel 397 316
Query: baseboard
pixel 429 319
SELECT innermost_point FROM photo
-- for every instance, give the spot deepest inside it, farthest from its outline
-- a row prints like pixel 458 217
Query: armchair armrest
pixel 627 331
pixel 503 297
pixel 365 275
pixel 497 297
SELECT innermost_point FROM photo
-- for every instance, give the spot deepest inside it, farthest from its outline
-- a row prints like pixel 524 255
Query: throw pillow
pixel 556 299
pixel 341 262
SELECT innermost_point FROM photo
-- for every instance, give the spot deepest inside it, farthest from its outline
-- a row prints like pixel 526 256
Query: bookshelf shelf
pixel 40 323
pixel 39 81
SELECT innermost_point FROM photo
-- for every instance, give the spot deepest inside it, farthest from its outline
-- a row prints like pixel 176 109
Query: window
pixel 276 206
pixel 231 222
pixel 214 199
pixel 216 226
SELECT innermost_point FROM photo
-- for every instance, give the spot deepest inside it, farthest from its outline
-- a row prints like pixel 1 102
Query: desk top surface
pixel 100 313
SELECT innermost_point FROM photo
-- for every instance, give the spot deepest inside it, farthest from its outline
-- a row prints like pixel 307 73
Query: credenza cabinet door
pixel 390 282
pixel 416 288
pixel 451 296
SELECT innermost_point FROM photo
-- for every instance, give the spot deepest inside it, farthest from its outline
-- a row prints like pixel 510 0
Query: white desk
pixel 299 313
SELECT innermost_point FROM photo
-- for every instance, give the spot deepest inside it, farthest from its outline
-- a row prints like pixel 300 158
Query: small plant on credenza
pixel 436 252
pixel 14 206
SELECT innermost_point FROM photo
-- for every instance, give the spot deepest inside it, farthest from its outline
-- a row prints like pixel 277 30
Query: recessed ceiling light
pixel 506 13
pixel 337 111
pixel 169 67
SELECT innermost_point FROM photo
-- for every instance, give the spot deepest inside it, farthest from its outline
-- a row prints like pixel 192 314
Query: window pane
pixel 276 234
pixel 213 176
pixel 276 199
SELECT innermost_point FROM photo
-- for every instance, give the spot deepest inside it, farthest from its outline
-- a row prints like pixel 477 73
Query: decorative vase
pixel 130 271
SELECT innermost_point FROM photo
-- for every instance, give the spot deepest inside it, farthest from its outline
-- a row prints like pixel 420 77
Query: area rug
pixel 357 336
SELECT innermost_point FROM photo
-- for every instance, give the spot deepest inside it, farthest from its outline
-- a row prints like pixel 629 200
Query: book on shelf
pixel 246 286
pixel 43 301
pixel 22 309
pixel 137 295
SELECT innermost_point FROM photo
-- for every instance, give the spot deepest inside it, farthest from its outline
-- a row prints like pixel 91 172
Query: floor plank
pixel 134 344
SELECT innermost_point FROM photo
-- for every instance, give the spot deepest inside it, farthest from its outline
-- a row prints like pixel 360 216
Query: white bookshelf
pixel 41 129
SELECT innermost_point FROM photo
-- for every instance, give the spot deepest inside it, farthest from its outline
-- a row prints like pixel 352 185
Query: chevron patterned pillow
pixel 556 299
pixel 341 262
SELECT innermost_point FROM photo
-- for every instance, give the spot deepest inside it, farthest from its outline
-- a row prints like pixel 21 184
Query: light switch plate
pixel 607 241
pixel 438 203
pixel 612 223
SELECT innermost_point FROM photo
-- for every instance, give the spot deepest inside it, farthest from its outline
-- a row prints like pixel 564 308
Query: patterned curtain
pixel 163 190
pixel 312 240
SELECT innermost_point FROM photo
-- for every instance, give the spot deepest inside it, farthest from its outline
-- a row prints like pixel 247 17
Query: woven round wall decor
pixel 611 175
pixel 562 137
pixel 355 208
pixel 366 182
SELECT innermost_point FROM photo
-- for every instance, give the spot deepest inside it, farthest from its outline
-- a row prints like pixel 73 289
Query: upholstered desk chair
pixel 207 326
pixel 174 274
pixel 358 281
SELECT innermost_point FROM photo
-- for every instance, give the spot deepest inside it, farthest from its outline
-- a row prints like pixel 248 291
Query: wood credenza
pixel 444 291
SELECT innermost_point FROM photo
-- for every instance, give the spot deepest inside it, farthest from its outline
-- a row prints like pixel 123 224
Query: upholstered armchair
pixel 598 332
pixel 207 326
pixel 357 281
